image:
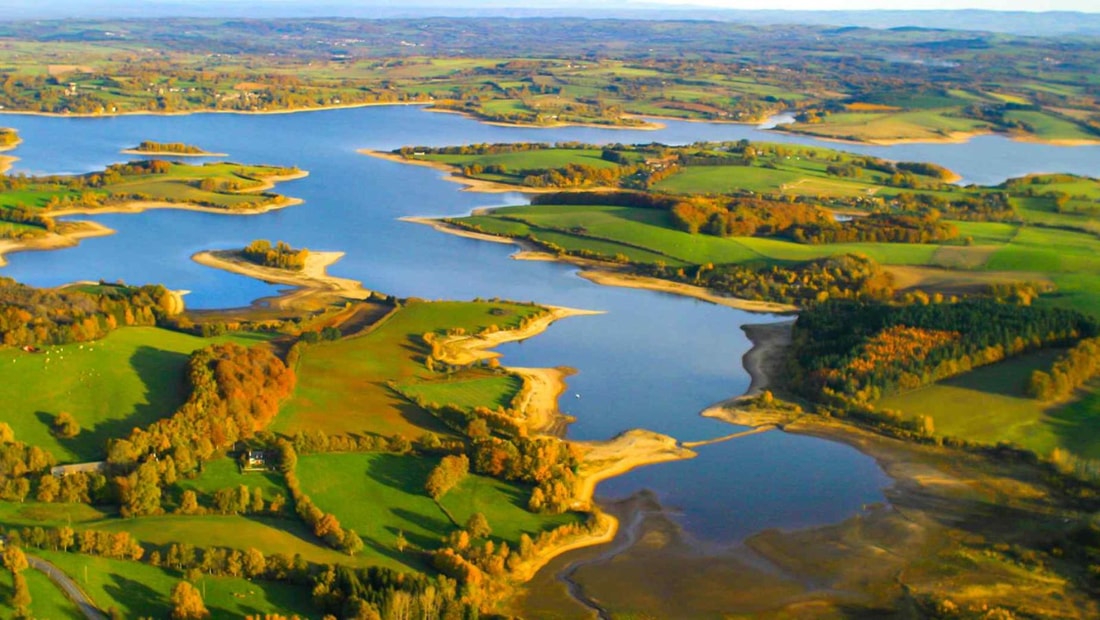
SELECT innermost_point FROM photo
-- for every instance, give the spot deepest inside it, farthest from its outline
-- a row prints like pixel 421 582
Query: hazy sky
pixel 1091 6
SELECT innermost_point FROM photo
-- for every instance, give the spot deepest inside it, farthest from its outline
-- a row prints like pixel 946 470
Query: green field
pixel 490 391
pixel 379 495
pixel 930 125
pixel 48 602
pixel 233 187
pixel 129 379
pixel 988 405
pixel 224 473
pixel 140 590
pixel 342 385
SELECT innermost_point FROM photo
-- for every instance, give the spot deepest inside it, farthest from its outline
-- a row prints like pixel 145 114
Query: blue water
pixel 652 361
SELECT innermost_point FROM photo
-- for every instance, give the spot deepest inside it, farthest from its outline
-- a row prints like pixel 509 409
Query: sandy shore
pixel 764 362
pixel 601 460
pixel 170 153
pixel 612 278
pixel 543 387
pixel 53 241
pixel 313 277
pixel 7 160
pixel 464 350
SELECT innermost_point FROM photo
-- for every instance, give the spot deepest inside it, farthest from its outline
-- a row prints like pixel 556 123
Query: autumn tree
pixel 65 425
pixel 187 603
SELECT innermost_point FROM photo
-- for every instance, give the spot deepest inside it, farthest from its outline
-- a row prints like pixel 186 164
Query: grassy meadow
pixel 379 495
pixel 989 405
pixel 48 602
pixel 131 378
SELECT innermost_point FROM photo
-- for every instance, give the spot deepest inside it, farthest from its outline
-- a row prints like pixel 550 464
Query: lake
pixel 652 361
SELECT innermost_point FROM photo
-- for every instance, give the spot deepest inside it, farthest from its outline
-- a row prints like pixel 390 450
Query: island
pixel 177 149
pixel 30 205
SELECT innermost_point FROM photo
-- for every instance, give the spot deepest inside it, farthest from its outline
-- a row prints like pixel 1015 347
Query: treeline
pixel 743 217
pixel 1071 370
pixel 168 147
pixel 34 317
pixel 877 228
pixel 847 276
pixel 234 392
pixel 279 256
pixel 983 206
pixel 345 592
pixel 324 525
pixel 857 352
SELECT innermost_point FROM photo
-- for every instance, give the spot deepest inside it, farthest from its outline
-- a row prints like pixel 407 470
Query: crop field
pixel 342 386
pixel 129 379
pixel 989 405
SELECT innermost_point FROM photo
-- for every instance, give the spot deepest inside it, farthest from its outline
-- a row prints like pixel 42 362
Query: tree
pixel 20 595
pixel 187 603
pixel 478 526
pixel 14 560
pixel 352 544
pixel 65 425
pixel 401 543
pixel 189 503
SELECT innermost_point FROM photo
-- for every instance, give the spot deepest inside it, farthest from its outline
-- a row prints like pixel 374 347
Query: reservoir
pixel 652 361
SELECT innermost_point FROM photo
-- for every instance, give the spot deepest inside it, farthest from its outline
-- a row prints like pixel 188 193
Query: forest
pixel 856 352
pixel 279 256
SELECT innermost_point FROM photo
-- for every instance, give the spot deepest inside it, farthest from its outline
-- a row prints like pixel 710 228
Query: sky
pixel 1090 6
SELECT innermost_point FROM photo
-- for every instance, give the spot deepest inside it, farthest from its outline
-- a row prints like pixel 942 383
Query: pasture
pixel 129 379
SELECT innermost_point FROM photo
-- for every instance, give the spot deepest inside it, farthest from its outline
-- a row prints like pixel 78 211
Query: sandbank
pixel 314 276
pixel 764 363
pixel 599 461
pixel 615 278
pixel 541 389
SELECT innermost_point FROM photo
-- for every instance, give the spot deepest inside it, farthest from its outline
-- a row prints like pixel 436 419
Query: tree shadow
pixel 138 599
pixel 432 524
pixel 162 373
pixel 403 473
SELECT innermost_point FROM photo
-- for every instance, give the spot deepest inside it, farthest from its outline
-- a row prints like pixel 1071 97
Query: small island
pixel 179 149
pixel 279 256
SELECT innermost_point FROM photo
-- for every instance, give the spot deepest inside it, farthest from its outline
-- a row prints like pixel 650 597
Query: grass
pixel 270 535
pixel 129 379
pixel 223 473
pixel 932 124
pixel 48 602
pixel 989 405
pixel 140 590
pixel 379 495
pixel 491 391
pixel 342 386
pixel 179 184
pixel 1049 127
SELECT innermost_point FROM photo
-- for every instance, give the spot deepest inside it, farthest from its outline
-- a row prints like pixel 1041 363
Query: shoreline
pixel 312 278
pixel 53 240
pixel 557 125
pixel 601 273
pixel 600 461
pixel 955 137
pixel 626 280
pixel 472 185
pixel 6 161
pixel 346 106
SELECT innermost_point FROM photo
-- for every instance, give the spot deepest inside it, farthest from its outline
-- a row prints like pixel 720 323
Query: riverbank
pixel 629 280
pixel 542 388
pixel 313 278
